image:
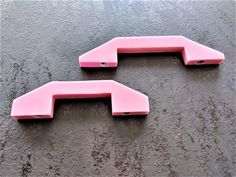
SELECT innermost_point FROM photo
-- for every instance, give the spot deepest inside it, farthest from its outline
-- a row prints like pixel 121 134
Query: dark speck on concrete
pixel 26 167
pixel 190 131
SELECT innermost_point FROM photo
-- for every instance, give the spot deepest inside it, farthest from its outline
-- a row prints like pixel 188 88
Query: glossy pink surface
pixel 193 53
pixel 39 103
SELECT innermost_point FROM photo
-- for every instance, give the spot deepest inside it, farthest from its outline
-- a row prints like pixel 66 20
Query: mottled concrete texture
pixel 191 129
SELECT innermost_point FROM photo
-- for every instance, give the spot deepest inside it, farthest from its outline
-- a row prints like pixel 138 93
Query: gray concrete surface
pixel 191 129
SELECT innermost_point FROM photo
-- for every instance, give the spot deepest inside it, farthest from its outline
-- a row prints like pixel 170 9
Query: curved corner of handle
pixel 198 54
pixel 127 101
pixel 193 53
pixel 39 103
pixel 102 56
pixel 36 104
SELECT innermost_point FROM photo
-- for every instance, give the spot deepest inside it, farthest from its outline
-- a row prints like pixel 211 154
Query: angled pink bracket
pixel 193 53
pixel 39 103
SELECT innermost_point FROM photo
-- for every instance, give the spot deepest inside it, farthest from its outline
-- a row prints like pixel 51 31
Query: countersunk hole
pixel 126 113
pixel 200 61
pixel 103 63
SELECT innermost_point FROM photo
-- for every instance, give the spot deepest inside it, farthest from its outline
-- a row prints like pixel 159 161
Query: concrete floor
pixel 191 129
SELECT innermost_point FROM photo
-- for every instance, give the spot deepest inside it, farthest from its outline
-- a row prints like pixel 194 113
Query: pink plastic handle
pixel 39 103
pixel 193 53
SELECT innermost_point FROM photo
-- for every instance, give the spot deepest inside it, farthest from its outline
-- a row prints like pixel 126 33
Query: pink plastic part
pixel 193 53
pixel 39 103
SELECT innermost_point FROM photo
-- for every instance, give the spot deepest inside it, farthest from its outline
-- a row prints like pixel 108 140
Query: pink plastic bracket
pixel 193 53
pixel 39 103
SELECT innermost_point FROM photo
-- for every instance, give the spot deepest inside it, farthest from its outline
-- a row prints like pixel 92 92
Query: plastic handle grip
pixel 39 103
pixel 192 52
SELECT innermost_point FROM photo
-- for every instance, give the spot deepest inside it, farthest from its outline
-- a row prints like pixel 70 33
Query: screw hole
pixel 38 116
pixel 103 63
pixel 126 113
pixel 200 61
